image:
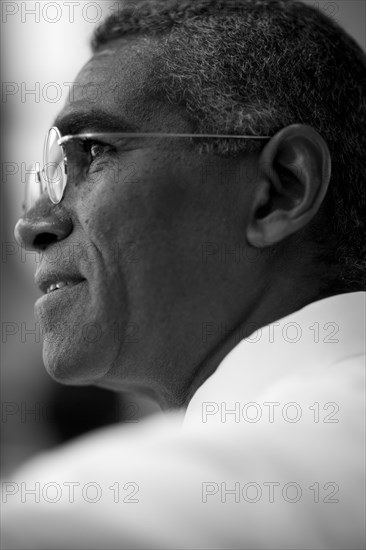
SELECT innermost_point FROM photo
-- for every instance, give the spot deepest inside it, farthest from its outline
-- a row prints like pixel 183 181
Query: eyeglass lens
pixel 54 170
pixel 33 187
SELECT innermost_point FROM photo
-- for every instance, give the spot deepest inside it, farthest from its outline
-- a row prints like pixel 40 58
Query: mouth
pixel 53 287
pixel 50 283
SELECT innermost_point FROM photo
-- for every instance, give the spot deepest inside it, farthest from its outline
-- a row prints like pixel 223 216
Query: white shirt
pixel 269 454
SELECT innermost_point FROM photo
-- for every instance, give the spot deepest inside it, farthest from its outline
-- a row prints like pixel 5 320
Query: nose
pixel 42 226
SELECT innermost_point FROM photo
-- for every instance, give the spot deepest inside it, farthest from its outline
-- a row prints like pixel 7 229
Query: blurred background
pixel 43 46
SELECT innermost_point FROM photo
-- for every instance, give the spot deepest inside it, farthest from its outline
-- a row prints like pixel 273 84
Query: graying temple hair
pixel 255 66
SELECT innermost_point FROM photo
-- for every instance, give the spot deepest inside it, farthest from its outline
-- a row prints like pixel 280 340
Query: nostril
pixel 42 226
pixel 43 240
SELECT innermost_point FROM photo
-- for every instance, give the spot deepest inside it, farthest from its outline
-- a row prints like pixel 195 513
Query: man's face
pixel 150 248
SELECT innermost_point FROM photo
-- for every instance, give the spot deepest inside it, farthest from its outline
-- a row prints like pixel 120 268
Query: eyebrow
pixel 78 122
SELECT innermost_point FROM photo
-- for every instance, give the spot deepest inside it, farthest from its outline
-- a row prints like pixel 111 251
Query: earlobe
pixel 295 170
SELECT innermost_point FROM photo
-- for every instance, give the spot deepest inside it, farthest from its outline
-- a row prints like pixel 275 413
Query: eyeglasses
pixel 71 156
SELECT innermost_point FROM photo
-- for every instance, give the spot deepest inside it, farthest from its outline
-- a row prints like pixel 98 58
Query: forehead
pixel 113 92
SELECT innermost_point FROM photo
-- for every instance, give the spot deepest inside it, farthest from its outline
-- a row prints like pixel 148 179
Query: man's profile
pixel 224 278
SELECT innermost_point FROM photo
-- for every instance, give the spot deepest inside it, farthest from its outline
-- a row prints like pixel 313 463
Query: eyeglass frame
pixel 95 135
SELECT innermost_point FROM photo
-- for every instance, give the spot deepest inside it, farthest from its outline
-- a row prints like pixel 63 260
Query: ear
pixel 294 174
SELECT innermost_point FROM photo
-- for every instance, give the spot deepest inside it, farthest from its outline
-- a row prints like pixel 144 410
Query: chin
pixel 72 364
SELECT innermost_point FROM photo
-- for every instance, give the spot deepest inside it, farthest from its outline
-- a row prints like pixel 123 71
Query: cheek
pixel 125 202
pixel 158 210
pixel 110 215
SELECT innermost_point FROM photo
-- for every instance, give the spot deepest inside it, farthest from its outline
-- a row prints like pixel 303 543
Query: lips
pixel 54 282
pixel 60 284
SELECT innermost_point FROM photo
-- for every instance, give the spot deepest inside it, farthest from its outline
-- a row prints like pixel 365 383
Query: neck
pixel 276 303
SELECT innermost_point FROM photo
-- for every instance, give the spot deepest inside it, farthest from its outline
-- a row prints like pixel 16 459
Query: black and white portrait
pixel 183 274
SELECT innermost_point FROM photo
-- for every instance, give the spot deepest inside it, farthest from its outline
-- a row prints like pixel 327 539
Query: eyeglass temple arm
pixel 94 135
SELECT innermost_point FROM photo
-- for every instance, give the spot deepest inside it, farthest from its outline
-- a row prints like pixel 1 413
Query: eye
pixel 96 149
